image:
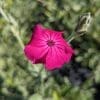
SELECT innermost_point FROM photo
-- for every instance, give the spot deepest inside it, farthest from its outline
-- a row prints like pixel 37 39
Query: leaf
pixel 36 97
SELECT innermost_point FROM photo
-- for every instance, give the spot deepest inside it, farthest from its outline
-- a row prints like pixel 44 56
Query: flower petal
pixel 28 50
pixel 56 58
pixel 35 53
pixel 61 43
pixel 52 35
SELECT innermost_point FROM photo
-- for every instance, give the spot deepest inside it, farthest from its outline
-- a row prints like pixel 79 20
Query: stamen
pixel 50 42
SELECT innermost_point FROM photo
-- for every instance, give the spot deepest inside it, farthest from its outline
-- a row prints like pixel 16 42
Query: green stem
pixel 12 28
pixel 42 87
pixel 73 33
pixel 4 15
pixel 74 37
pixel 18 37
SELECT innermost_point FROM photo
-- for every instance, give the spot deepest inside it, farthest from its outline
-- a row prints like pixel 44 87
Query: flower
pixel 48 47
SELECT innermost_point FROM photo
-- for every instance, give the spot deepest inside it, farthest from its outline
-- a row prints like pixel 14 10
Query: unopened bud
pixel 83 23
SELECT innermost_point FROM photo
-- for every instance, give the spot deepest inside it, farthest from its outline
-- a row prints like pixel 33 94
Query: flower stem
pixel 18 37
pixel 73 33
pixel 12 27
pixel 74 37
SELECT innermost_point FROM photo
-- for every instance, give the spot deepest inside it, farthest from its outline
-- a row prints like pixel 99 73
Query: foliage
pixel 19 79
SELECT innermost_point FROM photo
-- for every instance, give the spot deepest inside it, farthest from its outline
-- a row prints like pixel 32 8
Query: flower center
pixel 50 42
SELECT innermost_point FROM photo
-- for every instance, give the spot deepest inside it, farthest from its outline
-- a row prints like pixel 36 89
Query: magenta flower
pixel 48 47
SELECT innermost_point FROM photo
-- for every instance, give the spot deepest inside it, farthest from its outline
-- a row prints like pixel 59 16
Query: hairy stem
pixel 12 27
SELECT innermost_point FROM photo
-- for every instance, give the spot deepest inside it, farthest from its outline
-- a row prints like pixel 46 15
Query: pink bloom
pixel 48 47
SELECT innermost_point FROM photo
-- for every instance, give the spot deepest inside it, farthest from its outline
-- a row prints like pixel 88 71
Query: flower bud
pixel 83 23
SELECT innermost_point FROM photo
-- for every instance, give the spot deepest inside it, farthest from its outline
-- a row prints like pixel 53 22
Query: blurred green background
pixel 19 80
